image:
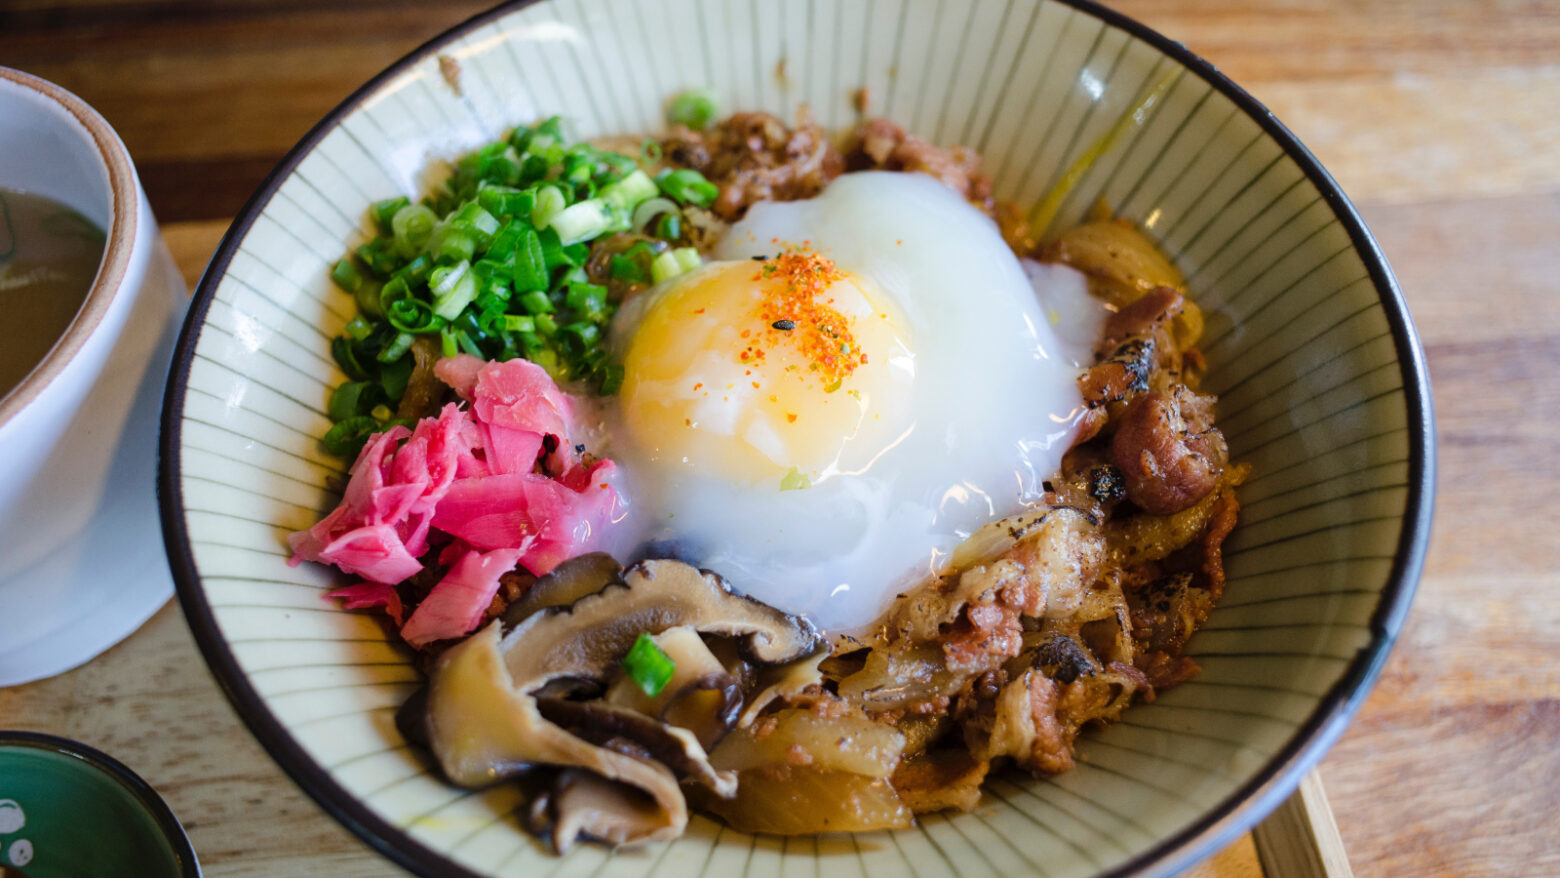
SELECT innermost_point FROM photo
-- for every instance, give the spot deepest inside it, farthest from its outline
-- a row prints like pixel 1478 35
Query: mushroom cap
pixel 589 637
pixel 491 712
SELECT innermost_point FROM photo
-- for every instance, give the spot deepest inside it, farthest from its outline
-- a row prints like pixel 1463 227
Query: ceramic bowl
pixel 79 434
pixel 68 810
pixel 1321 379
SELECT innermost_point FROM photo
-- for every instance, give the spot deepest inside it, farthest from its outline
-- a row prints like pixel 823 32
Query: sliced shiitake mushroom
pixel 701 695
pixel 485 720
pixel 570 581
pixel 585 805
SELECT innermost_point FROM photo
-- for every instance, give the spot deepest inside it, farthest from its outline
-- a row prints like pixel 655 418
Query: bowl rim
pixel 134 785
pixel 1218 826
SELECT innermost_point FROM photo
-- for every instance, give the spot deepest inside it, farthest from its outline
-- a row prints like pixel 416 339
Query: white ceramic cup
pixel 81 555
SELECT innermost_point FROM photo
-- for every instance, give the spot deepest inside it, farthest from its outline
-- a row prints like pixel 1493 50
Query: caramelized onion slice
pixel 899 676
pixel 852 744
pixel 801 800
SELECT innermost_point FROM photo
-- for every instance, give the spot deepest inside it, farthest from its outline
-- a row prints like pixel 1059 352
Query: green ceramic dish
pixel 67 810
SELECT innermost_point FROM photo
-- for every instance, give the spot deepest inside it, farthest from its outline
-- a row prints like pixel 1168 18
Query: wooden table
pixel 1440 118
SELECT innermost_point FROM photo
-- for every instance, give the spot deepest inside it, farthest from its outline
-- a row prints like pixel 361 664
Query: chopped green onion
pixel 611 379
pixel 589 299
pixel 450 244
pixel 687 258
pixel 346 276
pixel 577 167
pixel 473 220
pixel 397 348
pixel 379 255
pixel 695 108
pixel 394 290
pixel 453 288
pixel 412 226
pixel 415 273
pixel 630 191
pixel 347 437
pixel 345 400
pixel 581 222
pixel 587 333
pixel 384 211
pixel 547 358
pixel 795 481
pixel 549 201
pixel 626 268
pixel 341 350
pixel 357 328
pixel 664 267
pixel 394 376
pixel 689 187
pixel 494 262
pixel 649 210
pixel 669 227
pixel 536 302
pixel 648 666
pixel 367 298
pixel 503 247
pixel 533 169
pixel 530 274
pixel 469 346
pixel 412 315
pixel 506 201
pixel 517 323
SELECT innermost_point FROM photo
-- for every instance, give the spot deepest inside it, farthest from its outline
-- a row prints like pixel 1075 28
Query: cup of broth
pixel 90 302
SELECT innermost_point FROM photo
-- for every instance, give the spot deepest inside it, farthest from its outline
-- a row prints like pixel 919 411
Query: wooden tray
pixel 1300 839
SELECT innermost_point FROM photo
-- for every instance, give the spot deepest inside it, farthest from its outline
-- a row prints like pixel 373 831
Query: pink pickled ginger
pixel 455 606
pixel 366 595
pixel 486 474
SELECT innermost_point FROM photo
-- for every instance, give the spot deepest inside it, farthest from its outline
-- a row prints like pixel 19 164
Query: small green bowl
pixel 67 810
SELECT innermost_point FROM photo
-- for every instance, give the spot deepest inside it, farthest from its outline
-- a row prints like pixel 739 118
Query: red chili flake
pixel 816 329
pixel 699 385
pixel 790 418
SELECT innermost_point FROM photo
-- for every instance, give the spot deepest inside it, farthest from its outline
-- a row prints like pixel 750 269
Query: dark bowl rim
pixel 1219 826
pixel 138 788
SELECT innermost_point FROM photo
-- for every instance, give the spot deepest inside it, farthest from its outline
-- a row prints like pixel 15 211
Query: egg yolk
pixel 788 369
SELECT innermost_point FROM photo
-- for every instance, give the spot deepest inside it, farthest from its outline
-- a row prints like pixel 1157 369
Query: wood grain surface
pixel 1440 118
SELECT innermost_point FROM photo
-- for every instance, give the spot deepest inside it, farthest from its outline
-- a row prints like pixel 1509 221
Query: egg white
pixel 992 405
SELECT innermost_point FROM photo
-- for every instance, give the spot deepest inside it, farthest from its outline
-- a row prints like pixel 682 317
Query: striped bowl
pixel 1321 378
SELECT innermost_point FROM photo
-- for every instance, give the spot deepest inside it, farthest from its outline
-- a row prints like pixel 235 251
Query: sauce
pixel 49 255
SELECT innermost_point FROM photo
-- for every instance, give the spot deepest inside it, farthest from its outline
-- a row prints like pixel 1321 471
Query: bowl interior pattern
pixel 1319 374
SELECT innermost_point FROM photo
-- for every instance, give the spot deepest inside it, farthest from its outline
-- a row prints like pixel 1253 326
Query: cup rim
pixel 138 789
pixel 121 235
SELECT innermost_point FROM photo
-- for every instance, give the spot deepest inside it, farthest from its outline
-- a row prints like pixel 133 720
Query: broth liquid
pixel 49 256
